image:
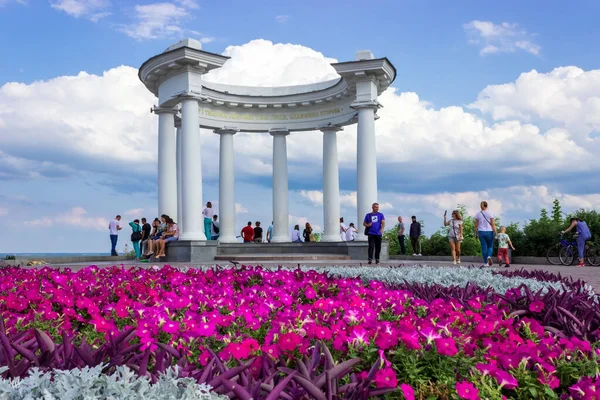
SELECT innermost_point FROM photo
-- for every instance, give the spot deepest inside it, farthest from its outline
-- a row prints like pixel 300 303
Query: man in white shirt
pixel 114 226
pixel 350 233
pixel 343 229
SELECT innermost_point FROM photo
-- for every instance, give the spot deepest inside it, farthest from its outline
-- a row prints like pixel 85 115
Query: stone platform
pixel 281 257
pixel 198 251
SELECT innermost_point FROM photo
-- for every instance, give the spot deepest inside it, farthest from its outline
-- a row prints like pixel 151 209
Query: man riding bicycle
pixel 583 235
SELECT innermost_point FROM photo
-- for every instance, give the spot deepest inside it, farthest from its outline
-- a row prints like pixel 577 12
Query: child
pixel 503 243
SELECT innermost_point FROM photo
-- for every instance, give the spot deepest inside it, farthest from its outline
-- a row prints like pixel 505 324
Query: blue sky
pixel 77 148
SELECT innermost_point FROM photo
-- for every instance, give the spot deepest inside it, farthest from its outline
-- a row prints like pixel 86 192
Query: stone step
pixel 281 257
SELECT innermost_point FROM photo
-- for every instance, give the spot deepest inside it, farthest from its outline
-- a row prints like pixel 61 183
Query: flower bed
pixel 251 331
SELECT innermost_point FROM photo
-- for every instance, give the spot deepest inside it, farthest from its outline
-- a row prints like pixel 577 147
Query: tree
pixel 557 216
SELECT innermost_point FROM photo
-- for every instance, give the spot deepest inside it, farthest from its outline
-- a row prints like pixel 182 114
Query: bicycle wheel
pixel 567 255
pixel 552 255
pixel 592 256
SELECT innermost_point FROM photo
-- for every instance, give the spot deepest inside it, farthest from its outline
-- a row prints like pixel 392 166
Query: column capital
pixel 357 105
pixel 330 128
pixel 190 95
pixel 164 110
pixel 279 132
pixel 226 131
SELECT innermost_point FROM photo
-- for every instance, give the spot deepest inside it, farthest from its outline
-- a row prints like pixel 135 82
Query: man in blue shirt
pixel 374 224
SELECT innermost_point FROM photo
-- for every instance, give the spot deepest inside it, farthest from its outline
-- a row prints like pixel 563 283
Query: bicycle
pixel 553 253
pixel 569 254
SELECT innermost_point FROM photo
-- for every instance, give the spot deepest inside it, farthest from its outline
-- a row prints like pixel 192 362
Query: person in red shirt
pixel 248 233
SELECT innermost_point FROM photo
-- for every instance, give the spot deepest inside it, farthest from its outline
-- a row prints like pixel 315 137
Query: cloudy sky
pixel 497 101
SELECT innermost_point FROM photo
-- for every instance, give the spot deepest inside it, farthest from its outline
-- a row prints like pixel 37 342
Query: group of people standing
pixel 414 236
pixel 485 232
pixel 147 239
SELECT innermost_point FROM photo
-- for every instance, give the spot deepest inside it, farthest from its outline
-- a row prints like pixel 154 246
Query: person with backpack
pixel 214 229
pixel 583 235
pixel 485 232
pixel 136 237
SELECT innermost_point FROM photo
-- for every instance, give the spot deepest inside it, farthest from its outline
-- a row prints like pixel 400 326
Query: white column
pixel 179 176
pixel 331 185
pixel 366 164
pixel 167 165
pixel 280 188
pixel 226 186
pixel 191 172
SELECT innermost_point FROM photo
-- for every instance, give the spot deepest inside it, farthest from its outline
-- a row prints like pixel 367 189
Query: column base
pixel 361 238
pixel 280 239
pixel 192 236
pixel 227 239
pixel 331 238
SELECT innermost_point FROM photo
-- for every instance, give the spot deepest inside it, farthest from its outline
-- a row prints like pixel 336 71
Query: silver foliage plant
pixel 90 383
pixel 433 275
pixel 444 276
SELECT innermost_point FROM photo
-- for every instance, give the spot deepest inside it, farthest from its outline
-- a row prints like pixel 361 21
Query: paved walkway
pixel 591 275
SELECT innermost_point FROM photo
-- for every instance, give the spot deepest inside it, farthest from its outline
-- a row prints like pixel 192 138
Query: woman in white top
pixel 455 234
pixel 296 234
pixel 343 229
pixel 485 231
pixel 208 213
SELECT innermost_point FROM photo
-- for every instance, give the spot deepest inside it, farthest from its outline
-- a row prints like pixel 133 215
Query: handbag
pixel 367 228
pixel 135 236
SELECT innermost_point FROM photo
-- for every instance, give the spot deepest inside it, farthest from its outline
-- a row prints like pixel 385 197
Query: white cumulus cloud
pixel 566 96
pixel 264 63
pixel 157 21
pixel 101 124
pixel 500 38
pixel 76 217
pixel 90 9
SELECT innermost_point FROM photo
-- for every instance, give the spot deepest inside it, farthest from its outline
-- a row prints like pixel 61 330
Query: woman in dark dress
pixel 307 234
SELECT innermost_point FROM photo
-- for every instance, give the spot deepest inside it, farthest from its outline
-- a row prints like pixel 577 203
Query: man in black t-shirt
pixel 258 233
pixel 146 229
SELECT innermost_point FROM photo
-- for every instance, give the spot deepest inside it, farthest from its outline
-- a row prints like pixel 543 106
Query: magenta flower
pixel 446 347
pixel 310 293
pixel 486 369
pixel 430 334
pixel 536 306
pixel 386 378
pixel 410 341
pixel 548 379
pixel 407 391
pixel 505 379
pixel 238 350
pixel 467 391
pixel 386 340
pixel 289 341
pixel 170 327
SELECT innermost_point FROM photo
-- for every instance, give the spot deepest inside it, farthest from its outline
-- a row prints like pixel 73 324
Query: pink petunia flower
pixel 386 378
pixel 446 347
pixel 467 391
pixel 505 379
pixel 536 306
pixel 289 341
pixel 407 391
